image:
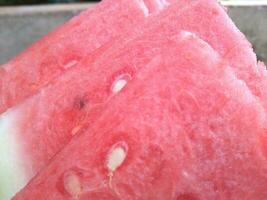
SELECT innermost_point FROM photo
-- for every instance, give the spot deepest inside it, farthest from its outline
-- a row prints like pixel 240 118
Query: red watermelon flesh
pixel 210 22
pixel 35 130
pixel 186 128
pixel 59 111
pixel 37 66
pixel 66 46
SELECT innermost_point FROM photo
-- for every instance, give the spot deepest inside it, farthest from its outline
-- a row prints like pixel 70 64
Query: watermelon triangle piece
pixel 185 128
pixel 23 150
pixel 60 110
pixel 210 22
pixel 63 48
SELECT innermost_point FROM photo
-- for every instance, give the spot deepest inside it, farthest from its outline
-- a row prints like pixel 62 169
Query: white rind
pixel 12 176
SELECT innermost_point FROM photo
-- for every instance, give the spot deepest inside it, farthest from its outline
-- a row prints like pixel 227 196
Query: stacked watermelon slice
pixel 136 99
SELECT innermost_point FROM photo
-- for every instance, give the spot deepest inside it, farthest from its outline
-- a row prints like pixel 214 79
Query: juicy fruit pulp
pixel 56 114
pixel 59 110
pixel 53 126
pixel 63 48
pixel 184 134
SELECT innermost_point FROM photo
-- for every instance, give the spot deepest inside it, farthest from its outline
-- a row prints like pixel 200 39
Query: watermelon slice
pixel 185 128
pixel 66 46
pixel 60 110
pixel 211 23
pixel 23 152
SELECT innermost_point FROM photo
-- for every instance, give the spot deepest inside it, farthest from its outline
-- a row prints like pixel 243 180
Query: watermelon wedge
pixel 66 46
pixel 185 128
pixel 210 22
pixel 61 109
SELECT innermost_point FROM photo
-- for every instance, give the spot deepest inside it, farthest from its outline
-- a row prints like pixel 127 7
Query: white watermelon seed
pixel 70 64
pixel 116 158
pixel 72 185
pixel 120 83
pixel 76 129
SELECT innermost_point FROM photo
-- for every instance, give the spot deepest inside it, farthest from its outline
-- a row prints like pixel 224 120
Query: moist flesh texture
pixel 68 45
pixel 65 47
pixel 185 128
pixel 34 130
pixel 48 120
